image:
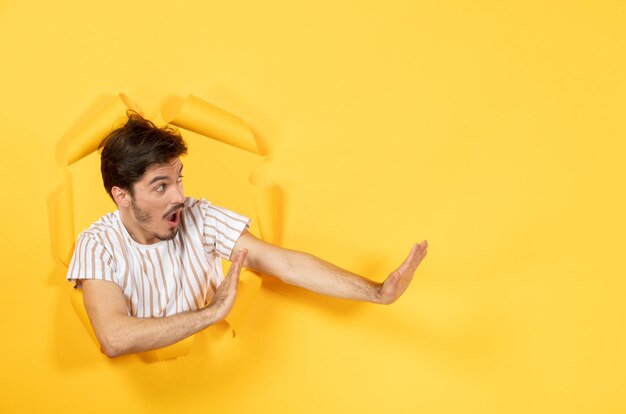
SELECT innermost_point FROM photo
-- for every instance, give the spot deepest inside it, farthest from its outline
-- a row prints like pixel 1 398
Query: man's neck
pixel 134 229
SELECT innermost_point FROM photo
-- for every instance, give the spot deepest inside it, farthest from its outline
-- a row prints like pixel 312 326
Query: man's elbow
pixel 113 345
pixel 110 352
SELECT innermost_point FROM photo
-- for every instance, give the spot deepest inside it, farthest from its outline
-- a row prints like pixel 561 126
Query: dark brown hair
pixel 128 151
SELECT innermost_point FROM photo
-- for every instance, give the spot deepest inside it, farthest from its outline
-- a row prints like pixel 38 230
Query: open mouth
pixel 173 218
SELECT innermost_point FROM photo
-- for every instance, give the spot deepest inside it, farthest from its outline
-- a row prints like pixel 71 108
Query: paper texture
pixel 268 204
pixel 180 348
pixel 63 223
pixel 85 139
pixel 206 119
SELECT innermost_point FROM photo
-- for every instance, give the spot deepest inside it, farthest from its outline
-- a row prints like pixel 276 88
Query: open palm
pixel 397 282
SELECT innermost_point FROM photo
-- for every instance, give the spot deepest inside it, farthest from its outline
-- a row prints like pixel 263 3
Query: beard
pixel 144 217
pixel 170 236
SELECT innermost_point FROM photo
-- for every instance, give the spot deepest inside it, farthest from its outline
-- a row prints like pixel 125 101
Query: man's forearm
pixel 317 275
pixel 127 334
pixel 120 334
pixel 307 271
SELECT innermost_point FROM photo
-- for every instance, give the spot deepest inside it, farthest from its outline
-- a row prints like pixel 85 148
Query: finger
pixel 241 257
pixel 234 271
pixel 414 251
pixel 415 254
pixel 409 259
pixel 413 260
pixel 237 264
pixel 420 248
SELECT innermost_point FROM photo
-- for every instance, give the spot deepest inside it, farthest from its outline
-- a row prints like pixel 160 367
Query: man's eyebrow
pixel 163 177
pixel 157 178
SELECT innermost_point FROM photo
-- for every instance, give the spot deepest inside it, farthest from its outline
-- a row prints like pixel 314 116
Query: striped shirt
pixel 170 276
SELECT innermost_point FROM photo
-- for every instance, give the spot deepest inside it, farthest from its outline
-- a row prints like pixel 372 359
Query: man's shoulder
pixel 196 207
pixel 105 225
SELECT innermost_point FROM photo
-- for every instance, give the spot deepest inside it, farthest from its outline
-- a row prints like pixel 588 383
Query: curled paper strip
pixel 205 119
pixel 80 141
pixel 63 225
pixel 180 348
pixel 85 140
pixel 268 203
pixel 194 115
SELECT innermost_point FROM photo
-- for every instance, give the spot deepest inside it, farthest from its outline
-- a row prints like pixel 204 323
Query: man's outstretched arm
pixel 120 334
pixel 314 274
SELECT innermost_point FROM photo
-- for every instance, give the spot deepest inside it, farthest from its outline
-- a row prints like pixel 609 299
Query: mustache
pixel 173 210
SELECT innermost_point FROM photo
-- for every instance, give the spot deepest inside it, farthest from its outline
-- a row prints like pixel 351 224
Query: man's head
pixel 141 171
pixel 128 151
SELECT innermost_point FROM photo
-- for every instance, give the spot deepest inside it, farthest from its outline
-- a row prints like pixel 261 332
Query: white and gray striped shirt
pixel 167 277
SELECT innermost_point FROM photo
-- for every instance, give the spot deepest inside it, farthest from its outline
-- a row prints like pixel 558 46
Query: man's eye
pixel 180 178
pixel 160 188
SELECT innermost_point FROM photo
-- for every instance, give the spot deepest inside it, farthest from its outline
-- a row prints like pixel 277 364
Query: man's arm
pixel 314 274
pixel 120 334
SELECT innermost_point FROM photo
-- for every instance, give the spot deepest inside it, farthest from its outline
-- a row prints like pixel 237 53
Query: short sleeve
pixel 222 228
pixel 90 261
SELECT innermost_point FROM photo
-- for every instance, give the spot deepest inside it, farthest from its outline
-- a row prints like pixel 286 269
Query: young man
pixel 151 271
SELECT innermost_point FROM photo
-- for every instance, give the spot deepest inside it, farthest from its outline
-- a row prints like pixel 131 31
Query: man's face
pixel 156 203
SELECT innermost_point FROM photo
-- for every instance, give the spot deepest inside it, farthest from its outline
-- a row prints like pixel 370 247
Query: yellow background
pixel 495 130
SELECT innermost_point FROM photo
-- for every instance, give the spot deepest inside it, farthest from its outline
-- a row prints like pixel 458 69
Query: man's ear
pixel 121 196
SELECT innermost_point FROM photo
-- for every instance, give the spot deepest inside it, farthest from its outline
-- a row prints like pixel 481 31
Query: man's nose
pixel 179 195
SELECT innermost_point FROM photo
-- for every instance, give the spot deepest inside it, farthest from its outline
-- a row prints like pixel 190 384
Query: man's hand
pixel 119 333
pixel 224 297
pixel 399 279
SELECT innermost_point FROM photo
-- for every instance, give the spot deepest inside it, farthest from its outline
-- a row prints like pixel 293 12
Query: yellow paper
pixel 493 129
pixel 178 349
pixel 203 118
pixel 268 203
pixel 63 227
pixel 131 105
pixel 249 286
pixel 86 138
